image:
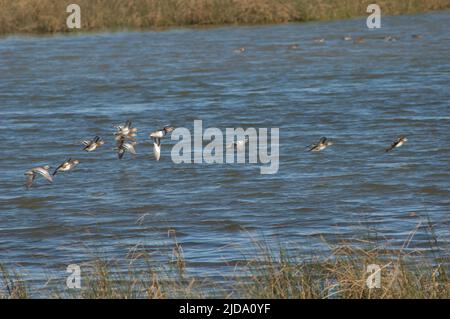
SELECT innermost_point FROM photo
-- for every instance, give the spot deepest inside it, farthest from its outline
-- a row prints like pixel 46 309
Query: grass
pixel 268 274
pixel 49 16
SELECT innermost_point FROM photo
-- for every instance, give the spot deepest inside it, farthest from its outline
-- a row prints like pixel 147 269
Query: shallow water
pixel 57 91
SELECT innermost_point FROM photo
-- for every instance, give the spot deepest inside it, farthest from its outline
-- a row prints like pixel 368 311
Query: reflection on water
pixel 57 91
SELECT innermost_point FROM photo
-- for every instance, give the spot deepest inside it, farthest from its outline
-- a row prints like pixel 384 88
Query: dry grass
pixel 47 16
pixel 344 276
pixel 271 274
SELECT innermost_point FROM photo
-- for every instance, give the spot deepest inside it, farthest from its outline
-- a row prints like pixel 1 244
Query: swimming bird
pixel 92 145
pixel 66 166
pixel 397 143
pixel 240 50
pixel 321 145
pixel 347 38
pixel 417 36
pixel 126 130
pixel 123 146
pixel 41 170
pixel 359 40
pixel 390 38
pixel 293 46
pixel 319 40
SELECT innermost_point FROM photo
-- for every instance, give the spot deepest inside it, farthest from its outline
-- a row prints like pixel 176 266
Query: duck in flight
pixel 92 145
pixel 397 143
pixel 123 146
pixel 66 166
pixel 321 145
pixel 40 170
pixel 162 132
pixel 238 145
pixel 156 137
pixel 126 131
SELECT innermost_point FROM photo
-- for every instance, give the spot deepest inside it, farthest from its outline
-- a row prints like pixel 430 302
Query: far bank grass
pixel 49 16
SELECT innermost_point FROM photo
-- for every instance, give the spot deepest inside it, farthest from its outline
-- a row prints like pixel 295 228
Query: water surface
pixel 57 91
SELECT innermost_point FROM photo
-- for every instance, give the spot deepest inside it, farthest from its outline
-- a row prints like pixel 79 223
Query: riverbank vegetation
pixel 49 16
pixel 270 273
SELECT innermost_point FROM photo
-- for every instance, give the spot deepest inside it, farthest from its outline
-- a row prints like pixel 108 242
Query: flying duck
pixel 162 132
pixel 92 145
pixel 41 170
pixel 321 145
pixel 123 146
pixel 156 137
pixel 397 143
pixel 240 50
pixel 238 145
pixel 126 131
pixel 66 166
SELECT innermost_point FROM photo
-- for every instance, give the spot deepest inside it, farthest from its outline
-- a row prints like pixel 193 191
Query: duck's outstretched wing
pixel 157 141
pixel 87 146
pixel 44 173
pixel 57 169
pixel 231 145
pixel 312 147
pixel 120 152
pixel 30 179
pixel 393 145
pixel 130 148
pixel 157 149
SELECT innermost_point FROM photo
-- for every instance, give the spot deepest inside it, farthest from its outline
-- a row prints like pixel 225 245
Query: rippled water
pixel 57 91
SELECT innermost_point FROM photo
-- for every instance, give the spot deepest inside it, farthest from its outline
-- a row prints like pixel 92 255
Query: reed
pixel 49 16
pixel 269 274
pixel 344 276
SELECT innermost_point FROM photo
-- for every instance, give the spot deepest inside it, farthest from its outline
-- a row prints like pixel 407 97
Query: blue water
pixel 57 91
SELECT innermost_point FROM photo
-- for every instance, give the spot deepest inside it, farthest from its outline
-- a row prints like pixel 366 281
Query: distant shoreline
pixel 49 16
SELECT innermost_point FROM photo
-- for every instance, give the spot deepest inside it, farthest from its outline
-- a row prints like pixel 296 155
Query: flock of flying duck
pixel 125 142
